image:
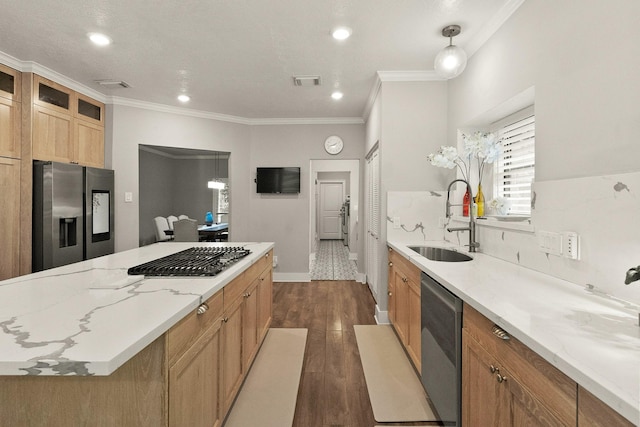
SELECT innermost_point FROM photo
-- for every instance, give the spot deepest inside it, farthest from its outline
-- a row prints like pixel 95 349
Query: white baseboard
pixel 361 278
pixel 353 256
pixel 291 277
pixel 382 317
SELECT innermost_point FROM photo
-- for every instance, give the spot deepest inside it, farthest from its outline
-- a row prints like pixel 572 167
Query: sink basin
pixel 440 254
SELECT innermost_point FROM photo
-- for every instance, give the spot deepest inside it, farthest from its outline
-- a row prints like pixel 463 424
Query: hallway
pixel 332 262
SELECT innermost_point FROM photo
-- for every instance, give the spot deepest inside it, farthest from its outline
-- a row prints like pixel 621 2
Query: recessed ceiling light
pixel 341 33
pixel 184 98
pixel 337 95
pixel 99 39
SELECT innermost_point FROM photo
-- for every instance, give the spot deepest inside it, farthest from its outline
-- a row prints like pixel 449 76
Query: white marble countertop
pixel 593 339
pixel 56 322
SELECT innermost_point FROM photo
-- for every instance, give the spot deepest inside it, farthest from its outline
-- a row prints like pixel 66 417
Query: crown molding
pixel 409 76
pixel 492 26
pixel 309 121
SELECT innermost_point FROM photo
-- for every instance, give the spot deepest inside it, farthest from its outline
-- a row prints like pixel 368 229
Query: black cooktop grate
pixel 197 261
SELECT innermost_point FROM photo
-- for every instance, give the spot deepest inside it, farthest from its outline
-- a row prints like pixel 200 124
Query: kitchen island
pixel 86 343
pixel 592 339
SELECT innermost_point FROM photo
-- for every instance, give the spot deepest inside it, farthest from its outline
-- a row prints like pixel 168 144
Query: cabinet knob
pixel 405 280
pixel 202 309
pixel 390 264
pixel 500 378
pixel 225 320
pixel 493 369
pixel 500 333
pixel 390 294
pixel 266 255
pixel 247 294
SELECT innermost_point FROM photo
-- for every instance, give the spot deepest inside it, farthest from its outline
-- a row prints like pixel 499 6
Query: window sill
pixel 523 224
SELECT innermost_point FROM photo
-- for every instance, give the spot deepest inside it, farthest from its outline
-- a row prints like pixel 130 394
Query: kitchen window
pixel 514 170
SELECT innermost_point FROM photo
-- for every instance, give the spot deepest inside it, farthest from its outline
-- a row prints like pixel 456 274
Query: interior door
pixel 331 199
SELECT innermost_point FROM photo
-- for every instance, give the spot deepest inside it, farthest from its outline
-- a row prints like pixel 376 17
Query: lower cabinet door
pixel 232 371
pixel 483 400
pixel 265 303
pixel 195 383
pixel 250 324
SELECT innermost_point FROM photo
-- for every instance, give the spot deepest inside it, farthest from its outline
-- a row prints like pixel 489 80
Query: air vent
pixel 306 80
pixel 113 83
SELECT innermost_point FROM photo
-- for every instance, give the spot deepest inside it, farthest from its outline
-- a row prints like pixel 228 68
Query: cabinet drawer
pixel 553 388
pixel 239 285
pixel 187 331
pixel 403 265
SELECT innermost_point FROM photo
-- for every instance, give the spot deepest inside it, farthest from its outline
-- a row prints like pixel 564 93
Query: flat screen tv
pixel 278 180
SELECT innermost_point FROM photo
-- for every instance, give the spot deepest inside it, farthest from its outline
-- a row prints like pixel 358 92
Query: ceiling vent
pixel 306 80
pixel 113 83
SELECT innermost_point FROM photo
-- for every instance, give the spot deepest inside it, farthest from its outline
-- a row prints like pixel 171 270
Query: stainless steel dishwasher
pixel 442 349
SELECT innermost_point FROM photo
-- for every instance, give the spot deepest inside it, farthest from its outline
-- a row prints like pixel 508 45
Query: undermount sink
pixel 440 254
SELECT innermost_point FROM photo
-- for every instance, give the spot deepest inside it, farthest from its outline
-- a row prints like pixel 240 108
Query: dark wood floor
pixel 332 390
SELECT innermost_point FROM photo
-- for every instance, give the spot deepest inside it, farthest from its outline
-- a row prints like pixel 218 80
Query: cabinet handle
pixel 225 320
pixel 500 378
pixel 390 264
pixel 202 309
pixel 493 369
pixel 405 280
pixel 500 333
pixel 246 295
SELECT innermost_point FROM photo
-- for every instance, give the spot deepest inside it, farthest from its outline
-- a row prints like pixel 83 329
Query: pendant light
pixel 451 60
pixel 216 184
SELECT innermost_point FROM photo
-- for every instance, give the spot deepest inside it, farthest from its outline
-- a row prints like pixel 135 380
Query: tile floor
pixel 332 262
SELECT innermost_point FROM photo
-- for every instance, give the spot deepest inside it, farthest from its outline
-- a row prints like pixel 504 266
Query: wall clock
pixel 333 144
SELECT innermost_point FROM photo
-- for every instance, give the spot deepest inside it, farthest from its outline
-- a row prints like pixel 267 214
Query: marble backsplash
pixel 603 210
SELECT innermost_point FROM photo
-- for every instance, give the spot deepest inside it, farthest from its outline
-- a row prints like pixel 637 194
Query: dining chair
pixel 171 219
pixel 185 230
pixel 162 225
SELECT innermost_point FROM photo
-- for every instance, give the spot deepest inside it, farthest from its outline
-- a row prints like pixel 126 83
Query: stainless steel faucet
pixel 472 223
pixel 633 274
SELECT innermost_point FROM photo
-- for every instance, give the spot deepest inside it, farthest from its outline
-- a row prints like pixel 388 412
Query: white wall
pixel 408 120
pixel 132 126
pixel 284 219
pixel 583 58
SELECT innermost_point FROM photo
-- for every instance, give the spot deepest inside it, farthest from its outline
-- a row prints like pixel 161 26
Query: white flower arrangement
pixel 485 147
pixel 500 205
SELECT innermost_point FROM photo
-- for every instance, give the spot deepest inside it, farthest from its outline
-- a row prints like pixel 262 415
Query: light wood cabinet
pixel 592 412
pixel 10 112
pixel 250 323
pixel 404 304
pixel 194 350
pixel 10 221
pixel 67 126
pixel 265 297
pixel 504 383
pixel 232 372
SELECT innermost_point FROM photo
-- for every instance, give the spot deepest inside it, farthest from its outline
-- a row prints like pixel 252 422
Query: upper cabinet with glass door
pixel 10 112
pixel 67 126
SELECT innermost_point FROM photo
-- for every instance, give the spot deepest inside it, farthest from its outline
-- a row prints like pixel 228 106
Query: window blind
pixel 515 169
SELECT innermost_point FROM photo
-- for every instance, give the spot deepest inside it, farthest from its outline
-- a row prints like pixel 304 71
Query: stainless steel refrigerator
pixel 73 217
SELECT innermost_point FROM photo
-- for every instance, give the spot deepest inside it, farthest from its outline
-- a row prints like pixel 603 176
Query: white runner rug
pixel 268 395
pixel 395 390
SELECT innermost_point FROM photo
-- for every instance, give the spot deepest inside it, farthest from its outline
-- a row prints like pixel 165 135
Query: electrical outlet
pixel 396 222
pixel 275 261
pixel 550 242
pixel 571 245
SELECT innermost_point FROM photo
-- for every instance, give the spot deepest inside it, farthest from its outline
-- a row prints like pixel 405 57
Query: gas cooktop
pixel 196 261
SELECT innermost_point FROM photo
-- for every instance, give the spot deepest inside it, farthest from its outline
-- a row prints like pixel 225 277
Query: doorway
pixel 332 196
pixel 346 172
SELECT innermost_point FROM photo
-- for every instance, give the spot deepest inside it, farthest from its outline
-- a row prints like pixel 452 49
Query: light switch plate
pixel 396 222
pixel 550 242
pixel 128 197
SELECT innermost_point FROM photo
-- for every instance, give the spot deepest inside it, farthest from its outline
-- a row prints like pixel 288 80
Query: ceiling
pixel 237 57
